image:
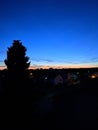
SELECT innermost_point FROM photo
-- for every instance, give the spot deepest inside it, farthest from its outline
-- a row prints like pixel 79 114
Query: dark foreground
pixel 66 107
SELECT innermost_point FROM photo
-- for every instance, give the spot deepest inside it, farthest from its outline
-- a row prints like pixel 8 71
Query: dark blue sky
pixel 55 32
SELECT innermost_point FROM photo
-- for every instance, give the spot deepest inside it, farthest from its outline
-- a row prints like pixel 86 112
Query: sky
pixel 56 33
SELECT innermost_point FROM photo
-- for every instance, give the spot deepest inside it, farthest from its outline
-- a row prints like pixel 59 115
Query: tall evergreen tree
pixel 17 85
pixel 17 61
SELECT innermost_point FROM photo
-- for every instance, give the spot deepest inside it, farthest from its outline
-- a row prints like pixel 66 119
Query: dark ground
pixel 74 107
pixel 66 107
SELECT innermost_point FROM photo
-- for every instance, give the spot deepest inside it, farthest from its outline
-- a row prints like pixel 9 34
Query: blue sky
pixel 55 32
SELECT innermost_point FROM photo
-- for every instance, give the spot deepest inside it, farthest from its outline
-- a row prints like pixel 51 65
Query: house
pixel 58 80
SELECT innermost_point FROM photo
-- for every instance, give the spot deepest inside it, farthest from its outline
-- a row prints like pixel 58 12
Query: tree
pixel 17 61
pixel 18 88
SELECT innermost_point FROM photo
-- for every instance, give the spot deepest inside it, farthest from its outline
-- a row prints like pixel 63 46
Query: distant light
pixel 31 74
pixel 46 78
pixel 93 76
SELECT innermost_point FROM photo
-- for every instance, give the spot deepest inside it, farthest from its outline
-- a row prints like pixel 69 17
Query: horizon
pixel 55 67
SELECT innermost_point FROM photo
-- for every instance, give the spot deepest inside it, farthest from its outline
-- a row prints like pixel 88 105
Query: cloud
pixel 1 61
pixel 64 62
pixel 89 61
pixel 37 66
pixel 52 61
pixel 41 60
pixel 94 59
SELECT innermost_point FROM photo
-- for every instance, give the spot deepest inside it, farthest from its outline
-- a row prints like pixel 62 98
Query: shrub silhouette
pixel 17 62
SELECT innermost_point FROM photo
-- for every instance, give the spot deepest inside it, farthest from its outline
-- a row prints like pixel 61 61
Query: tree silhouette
pixel 18 88
pixel 17 62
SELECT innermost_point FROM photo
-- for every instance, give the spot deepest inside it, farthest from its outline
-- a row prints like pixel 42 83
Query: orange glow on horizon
pixel 60 66
pixel 55 66
pixel 2 67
